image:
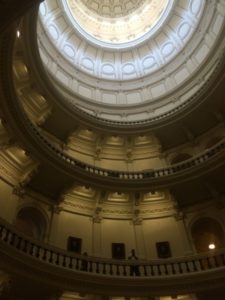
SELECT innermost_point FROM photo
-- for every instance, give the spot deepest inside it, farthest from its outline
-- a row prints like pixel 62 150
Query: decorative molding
pixel 97 219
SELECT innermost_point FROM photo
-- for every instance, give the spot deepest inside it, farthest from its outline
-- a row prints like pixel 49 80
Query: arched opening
pixel 31 222
pixel 207 234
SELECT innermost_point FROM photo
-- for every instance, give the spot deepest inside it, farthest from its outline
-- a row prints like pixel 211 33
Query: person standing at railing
pixel 134 269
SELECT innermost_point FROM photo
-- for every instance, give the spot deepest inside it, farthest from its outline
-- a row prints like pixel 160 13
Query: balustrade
pixel 67 260
pixel 176 168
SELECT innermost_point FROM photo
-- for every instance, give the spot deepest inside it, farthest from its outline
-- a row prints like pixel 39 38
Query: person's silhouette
pixel 134 269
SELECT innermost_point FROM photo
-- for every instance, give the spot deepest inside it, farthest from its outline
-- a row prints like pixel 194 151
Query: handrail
pixel 108 267
pixel 124 175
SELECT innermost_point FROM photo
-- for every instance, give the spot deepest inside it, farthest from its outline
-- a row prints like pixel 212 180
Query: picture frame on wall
pixel 74 244
pixel 163 249
pixel 118 251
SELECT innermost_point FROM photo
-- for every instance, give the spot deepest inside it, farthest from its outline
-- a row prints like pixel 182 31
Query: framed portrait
pixel 163 249
pixel 74 244
pixel 118 251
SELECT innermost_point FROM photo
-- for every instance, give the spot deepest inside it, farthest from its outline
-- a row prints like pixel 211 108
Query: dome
pixel 141 79
pixel 112 150
pixel 116 22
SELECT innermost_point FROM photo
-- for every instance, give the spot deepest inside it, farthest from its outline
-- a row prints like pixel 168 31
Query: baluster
pixel 71 262
pixel 77 263
pixel 6 235
pixel 145 270
pixel 57 259
pixel 111 269
pixel 166 269
pixel 97 267
pixel 50 260
pixel 117 269
pixel 152 272
pixel 201 264
pixel 194 266
pixel 25 246
pixel 90 266
pixel 179 268
pixel 209 263
pixel 12 239
pixel 104 268
pixel 124 270
pixel 187 266
pixel 44 256
pixel 173 268
pixel 64 260
pixel 159 270
pixel 31 248
pixel 38 248
pixel 18 245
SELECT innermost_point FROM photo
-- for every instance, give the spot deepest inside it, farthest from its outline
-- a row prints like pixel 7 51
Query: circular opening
pixel 116 23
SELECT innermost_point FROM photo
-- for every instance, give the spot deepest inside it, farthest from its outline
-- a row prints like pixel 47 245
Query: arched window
pixel 31 222
pixel 207 234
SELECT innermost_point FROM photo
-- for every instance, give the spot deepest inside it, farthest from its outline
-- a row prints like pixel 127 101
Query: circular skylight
pixel 132 78
pixel 115 22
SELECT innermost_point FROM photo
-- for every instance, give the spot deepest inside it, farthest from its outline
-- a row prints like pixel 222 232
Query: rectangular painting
pixel 74 244
pixel 163 249
pixel 118 251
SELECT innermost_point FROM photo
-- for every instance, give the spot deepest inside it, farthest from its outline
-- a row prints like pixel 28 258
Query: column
pixel 97 235
pixel 139 237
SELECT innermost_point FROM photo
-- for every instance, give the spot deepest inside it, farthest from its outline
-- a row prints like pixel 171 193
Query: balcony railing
pixel 120 268
pixel 33 137
pixel 155 173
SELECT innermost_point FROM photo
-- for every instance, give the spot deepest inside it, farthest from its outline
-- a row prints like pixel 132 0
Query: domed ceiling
pixel 130 61
pixel 115 21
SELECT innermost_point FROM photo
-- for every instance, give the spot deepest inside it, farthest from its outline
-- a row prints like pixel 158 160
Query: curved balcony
pixel 41 148
pixel 57 264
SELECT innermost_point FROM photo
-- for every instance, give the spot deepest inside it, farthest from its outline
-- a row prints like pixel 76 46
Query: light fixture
pixel 212 246
pixel 18 33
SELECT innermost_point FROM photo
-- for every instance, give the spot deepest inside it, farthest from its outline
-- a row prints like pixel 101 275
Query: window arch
pixel 31 222
pixel 206 231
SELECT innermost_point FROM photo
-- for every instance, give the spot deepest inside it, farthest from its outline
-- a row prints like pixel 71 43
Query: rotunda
pixel 112 142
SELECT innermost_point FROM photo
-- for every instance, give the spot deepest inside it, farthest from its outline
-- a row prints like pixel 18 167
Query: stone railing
pixel 108 267
pixel 123 175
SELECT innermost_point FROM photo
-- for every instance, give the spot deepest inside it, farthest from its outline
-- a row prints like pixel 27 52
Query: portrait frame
pixel 163 249
pixel 118 251
pixel 74 244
